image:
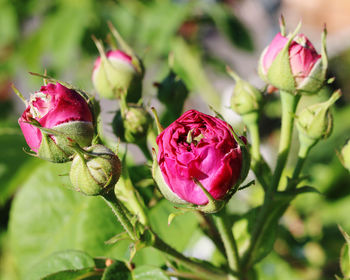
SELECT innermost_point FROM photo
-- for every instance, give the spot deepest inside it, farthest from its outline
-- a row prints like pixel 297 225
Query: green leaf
pixel 243 228
pixel 47 216
pixel 85 273
pixel 61 261
pixel 183 226
pixel 345 255
pixel 13 160
pixel 231 27
pixel 117 271
pixel 147 272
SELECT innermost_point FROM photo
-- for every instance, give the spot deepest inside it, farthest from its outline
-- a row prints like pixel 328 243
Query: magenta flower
pixel 60 109
pixel 296 68
pixel 202 147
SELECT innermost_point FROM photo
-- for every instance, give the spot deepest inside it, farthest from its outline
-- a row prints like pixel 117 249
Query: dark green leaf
pixel 117 271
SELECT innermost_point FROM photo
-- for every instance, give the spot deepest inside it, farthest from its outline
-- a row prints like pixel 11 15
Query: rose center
pixel 39 104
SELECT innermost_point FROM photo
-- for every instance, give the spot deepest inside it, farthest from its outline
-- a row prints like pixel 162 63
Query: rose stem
pixel 206 270
pixel 251 120
pixel 289 103
pixel 209 228
pixel 228 240
pixel 117 209
pixel 304 150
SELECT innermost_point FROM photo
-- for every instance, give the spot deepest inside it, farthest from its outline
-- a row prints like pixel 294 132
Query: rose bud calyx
pixel 315 121
pixel 345 155
pixel 118 73
pixel 199 163
pixel 95 170
pixel 131 123
pixel 245 98
pixel 54 119
pixel 292 64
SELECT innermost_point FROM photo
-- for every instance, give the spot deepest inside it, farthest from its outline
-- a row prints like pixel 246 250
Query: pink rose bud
pixel 55 117
pixel 198 160
pixel 115 73
pixel 292 64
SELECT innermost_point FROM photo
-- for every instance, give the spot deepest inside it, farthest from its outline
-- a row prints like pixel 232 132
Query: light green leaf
pixel 47 216
pixel 61 261
pixel 85 273
pixel 147 272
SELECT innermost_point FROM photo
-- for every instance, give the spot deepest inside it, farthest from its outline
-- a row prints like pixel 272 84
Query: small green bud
pixel 245 98
pixel 172 91
pixel 132 125
pixel 315 121
pixel 95 170
pixel 345 155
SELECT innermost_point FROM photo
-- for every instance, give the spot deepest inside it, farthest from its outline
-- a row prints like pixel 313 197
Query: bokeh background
pixel 204 36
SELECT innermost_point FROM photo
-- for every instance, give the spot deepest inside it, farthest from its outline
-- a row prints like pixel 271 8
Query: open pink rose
pixel 199 146
pixel 56 107
pixel 304 63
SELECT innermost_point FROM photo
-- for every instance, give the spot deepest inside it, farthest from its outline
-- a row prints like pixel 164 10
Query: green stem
pixel 258 165
pixel 251 121
pixel 228 240
pixel 205 270
pixel 117 209
pixel 289 104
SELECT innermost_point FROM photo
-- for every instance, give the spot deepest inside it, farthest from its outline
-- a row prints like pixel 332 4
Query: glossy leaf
pixel 117 271
pixel 61 261
pixel 147 272
pixel 47 216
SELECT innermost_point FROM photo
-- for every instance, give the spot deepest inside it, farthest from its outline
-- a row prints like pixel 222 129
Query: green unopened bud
pixel 172 91
pixel 245 98
pixel 132 124
pixel 95 170
pixel 118 73
pixel 345 155
pixel 315 121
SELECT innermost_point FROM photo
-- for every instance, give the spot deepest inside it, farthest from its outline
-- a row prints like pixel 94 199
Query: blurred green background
pixel 40 216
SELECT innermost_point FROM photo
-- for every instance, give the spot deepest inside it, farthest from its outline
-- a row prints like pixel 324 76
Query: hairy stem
pixel 205 270
pixel 228 240
pixel 118 211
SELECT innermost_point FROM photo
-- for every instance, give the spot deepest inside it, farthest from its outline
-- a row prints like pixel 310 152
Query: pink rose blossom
pixel 302 55
pixel 202 147
pixel 53 105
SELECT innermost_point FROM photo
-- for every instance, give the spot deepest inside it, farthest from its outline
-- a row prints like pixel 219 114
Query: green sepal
pixel 280 73
pixel 245 98
pixel 49 151
pixel 162 185
pixel 315 121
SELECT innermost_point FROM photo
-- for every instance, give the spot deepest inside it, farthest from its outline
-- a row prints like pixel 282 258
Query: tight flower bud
pixel 245 98
pixel 172 92
pixel 315 121
pixel 55 117
pixel 345 155
pixel 132 126
pixel 115 74
pixel 95 170
pixel 292 64
pixel 199 161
